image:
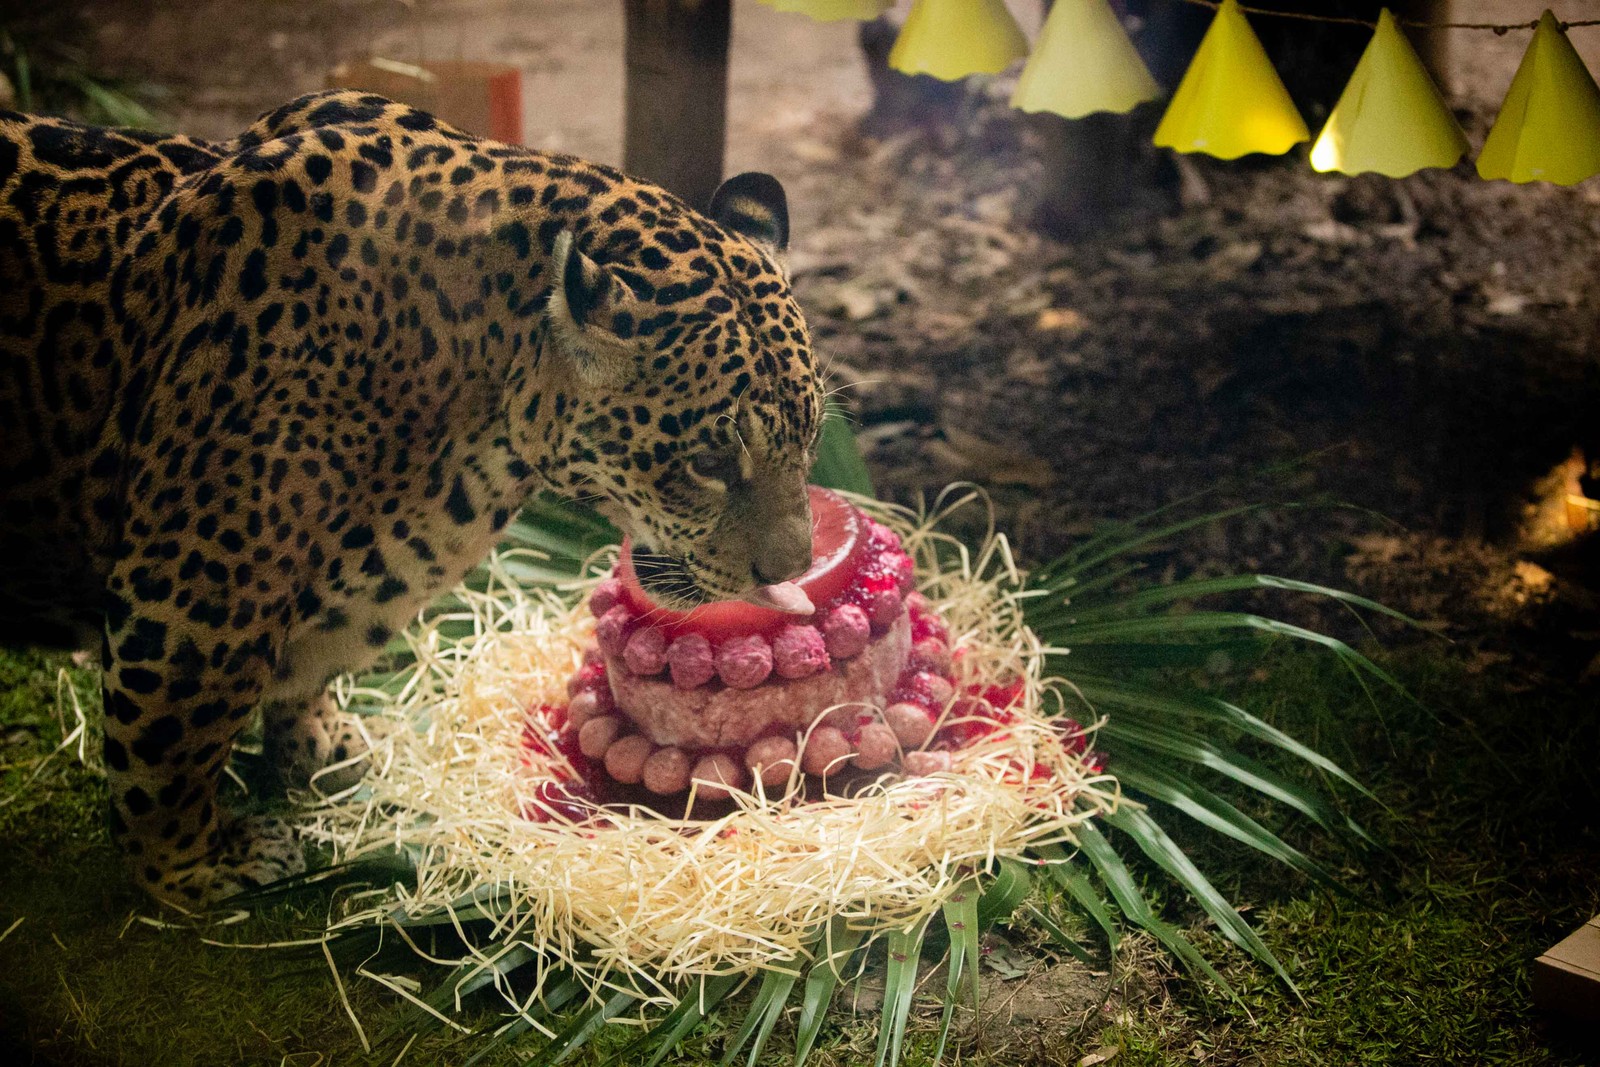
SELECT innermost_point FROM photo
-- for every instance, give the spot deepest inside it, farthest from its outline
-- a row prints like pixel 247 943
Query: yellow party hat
pixel 1083 62
pixel 1548 128
pixel 833 10
pixel 1390 117
pixel 953 38
pixel 1231 102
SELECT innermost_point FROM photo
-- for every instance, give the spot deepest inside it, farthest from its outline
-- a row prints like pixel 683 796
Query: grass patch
pixel 1492 825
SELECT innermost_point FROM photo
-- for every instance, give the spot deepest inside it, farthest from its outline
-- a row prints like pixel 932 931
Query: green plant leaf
pixel 689 1013
pixel 1058 935
pixel 1215 813
pixel 1161 595
pixel 1121 539
pixel 1142 741
pixel 1114 873
pixel 584 1025
pixel 1171 704
pixel 839 464
pixel 1154 843
pixel 763 1014
pixel 1060 869
pixel 556 999
pixel 961 923
pixel 1154 744
pixel 833 952
pixel 1212 622
pixel 899 984
pixel 1008 888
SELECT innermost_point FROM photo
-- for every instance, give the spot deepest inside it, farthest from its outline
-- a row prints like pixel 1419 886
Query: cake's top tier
pixel 857 584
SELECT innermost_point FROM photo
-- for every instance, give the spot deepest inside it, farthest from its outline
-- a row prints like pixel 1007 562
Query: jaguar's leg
pixel 316 744
pixel 173 710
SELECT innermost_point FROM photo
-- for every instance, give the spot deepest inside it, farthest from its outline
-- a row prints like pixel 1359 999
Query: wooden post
pixel 676 58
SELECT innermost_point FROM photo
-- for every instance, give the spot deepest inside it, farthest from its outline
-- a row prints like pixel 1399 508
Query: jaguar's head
pixel 691 405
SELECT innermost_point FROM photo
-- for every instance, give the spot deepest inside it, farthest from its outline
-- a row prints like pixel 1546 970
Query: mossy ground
pixel 1492 797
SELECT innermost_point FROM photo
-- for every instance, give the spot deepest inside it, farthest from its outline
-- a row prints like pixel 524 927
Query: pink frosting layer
pixel 713 716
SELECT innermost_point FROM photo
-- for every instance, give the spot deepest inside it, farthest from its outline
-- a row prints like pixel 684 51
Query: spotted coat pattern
pixel 260 400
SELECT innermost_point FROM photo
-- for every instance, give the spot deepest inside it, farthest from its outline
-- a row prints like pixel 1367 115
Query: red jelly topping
pixel 838 541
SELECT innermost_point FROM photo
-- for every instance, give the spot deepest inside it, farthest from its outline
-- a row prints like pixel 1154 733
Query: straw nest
pixel 639 901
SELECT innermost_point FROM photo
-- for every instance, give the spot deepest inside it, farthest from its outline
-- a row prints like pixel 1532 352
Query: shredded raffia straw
pixel 640 901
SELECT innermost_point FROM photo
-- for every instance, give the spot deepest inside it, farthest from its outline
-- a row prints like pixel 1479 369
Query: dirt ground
pixel 1424 354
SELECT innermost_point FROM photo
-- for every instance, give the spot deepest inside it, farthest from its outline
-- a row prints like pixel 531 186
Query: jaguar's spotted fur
pixel 260 400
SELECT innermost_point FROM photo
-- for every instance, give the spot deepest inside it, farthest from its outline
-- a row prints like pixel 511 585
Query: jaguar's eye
pixel 717 466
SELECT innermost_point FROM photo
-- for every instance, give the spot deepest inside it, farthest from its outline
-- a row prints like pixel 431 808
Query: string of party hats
pixel 1390 119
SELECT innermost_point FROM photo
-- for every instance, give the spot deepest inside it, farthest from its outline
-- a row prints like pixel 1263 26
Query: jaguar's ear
pixel 584 300
pixel 753 205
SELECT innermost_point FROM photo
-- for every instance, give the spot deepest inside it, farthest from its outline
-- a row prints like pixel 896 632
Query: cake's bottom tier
pixel 719 717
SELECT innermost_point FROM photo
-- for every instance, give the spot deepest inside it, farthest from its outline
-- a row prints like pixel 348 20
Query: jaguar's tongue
pixel 786 597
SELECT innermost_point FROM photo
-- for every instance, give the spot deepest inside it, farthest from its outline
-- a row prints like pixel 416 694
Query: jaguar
pixel 261 400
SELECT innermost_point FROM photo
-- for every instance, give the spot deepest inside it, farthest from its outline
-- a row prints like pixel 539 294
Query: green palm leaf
pixel 838 944
pixel 899 984
pixel 1135 907
pixel 961 924
pixel 689 1013
pixel 763 1013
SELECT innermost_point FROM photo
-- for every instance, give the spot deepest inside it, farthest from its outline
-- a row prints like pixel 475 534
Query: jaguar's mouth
pixel 669 582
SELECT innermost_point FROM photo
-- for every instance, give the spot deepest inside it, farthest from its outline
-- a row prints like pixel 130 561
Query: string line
pixel 1499 28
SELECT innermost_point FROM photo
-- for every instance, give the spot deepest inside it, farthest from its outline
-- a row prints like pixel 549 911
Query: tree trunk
pixel 677 94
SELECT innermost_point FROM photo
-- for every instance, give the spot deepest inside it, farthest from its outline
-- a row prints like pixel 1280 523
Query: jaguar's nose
pixel 785 553
pixel 763 578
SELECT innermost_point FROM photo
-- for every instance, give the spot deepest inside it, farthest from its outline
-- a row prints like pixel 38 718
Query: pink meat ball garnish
pixel 883 608
pixel 799 651
pixel 911 724
pixel 880 536
pixel 596 735
pixel 905 572
pixel 924 623
pixel 846 632
pixel 605 596
pixel 611 632
pixel 826 751
pixel 589 704
pixel 931 655
pixel 744 662
pixel 930 690
pixel 927 762
pixel 771 759
pixel 625 758
pixel 876 747
pixel 717 775
pixel 666 771
pixel 690 659
pixel 646 652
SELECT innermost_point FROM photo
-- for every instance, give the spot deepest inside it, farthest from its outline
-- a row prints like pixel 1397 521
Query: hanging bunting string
pixel 1500 28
